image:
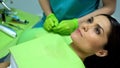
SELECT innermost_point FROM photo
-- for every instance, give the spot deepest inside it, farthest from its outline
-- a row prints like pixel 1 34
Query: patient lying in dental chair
pixel 92 38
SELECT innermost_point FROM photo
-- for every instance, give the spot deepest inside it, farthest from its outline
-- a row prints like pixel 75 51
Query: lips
pixel 78 30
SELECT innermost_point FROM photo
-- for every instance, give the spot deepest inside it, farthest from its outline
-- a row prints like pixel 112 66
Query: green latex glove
pixel 50 22
pixel 66 27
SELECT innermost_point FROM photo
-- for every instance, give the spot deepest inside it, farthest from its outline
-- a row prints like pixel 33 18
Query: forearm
pixel 45 6
pixel 108 8
pixel 104 10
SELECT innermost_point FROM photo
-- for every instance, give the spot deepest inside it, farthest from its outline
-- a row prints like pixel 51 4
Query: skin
pixel 89 38
pixel 4 64
pixel 107 8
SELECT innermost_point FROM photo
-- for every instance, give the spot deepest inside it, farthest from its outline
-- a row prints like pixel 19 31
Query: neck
pixel 79 52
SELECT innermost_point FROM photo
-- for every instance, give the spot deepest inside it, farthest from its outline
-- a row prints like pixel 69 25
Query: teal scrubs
pixel 69 9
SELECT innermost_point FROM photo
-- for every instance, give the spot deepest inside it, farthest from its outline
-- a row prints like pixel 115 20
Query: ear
pixel 102 53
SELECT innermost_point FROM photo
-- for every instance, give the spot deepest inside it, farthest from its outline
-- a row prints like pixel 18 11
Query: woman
pixel 70 12
pixel 112 46
pixel 93 37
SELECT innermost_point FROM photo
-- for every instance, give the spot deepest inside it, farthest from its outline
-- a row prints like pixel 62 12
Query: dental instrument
pixel 8 31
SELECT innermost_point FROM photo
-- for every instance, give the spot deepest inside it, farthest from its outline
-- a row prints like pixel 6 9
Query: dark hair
pixel 113 46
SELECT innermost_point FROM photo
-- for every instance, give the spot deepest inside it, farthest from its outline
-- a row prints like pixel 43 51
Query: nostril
pixel 84 28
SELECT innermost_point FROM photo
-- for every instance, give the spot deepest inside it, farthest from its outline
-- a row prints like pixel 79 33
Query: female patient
pixel 100 36
pixel 97 36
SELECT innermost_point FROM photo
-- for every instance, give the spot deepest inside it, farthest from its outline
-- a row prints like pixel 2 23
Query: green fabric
pixel 7 41
pixel 30 34
pixel 47 51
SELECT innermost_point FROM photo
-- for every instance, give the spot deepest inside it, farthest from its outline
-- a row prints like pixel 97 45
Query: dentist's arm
pixel 51 20
pixel 45 6
pixel 107 8
pixel 68 26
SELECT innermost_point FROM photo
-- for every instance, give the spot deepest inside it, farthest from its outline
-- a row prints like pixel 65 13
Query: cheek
pixel 89 43
pixel 95 41
pixel 80 42
pixel 92 39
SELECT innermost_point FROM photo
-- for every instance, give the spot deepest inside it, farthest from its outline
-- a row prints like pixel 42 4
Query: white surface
pixel 31 6
pixel 117 12
pixel 12 63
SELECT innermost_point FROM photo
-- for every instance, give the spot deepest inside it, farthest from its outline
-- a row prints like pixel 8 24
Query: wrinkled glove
pixel 50 22
pixel 66 27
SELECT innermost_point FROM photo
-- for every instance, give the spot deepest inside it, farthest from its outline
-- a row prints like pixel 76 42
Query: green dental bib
pixel 47 51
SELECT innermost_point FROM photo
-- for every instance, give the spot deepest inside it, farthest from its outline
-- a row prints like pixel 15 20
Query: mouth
pixel 78 30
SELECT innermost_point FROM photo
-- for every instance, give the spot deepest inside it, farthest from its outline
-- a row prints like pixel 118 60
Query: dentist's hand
pixel 50 22
pixel 66 27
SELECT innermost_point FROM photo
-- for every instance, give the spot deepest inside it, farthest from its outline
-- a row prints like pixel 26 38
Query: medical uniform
pixel 69 9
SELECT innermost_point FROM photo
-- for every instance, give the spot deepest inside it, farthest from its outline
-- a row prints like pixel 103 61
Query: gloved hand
pixel 66 27
pixel 50 22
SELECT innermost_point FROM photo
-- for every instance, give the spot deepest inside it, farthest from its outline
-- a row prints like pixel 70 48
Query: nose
pixel 85 27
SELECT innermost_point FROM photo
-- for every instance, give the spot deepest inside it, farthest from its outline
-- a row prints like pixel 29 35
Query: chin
pixel 74 36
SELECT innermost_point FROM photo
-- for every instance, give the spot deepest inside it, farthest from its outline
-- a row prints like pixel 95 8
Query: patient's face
pixel 92 34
